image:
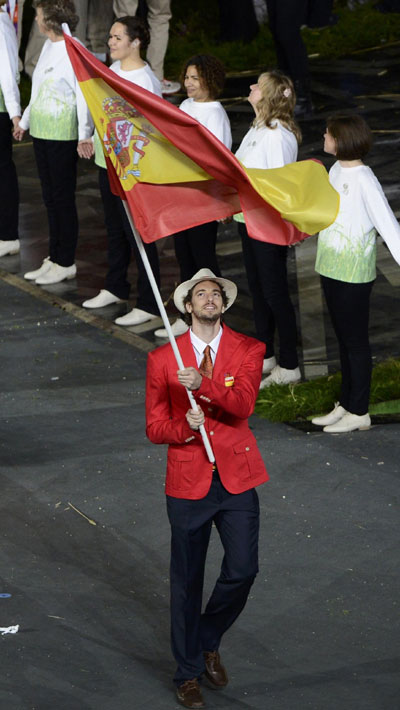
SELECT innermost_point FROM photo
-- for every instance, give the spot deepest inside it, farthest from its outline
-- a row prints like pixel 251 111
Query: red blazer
pixel 227 409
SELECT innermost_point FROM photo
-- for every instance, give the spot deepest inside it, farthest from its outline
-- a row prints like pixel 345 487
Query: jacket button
pixel 211 433
pixel 247 448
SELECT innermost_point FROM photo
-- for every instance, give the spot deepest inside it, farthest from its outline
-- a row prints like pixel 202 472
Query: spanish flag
pixel 175 174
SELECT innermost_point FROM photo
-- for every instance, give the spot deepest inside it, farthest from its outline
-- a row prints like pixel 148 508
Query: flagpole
pixel 163 312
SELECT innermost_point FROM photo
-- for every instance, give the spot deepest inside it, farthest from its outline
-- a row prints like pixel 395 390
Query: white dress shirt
pixel 199 346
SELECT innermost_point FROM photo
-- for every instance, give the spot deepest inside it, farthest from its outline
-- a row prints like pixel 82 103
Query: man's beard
pixel 212 318
pixel 206 319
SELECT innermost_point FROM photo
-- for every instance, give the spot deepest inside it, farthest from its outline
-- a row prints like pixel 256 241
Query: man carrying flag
pixel 223 373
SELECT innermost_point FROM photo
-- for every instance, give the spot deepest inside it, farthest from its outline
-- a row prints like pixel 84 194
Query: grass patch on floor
pixel 290 403
pixel 197 30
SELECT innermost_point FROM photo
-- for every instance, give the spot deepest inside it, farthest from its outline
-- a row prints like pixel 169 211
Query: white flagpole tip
pixel 65 29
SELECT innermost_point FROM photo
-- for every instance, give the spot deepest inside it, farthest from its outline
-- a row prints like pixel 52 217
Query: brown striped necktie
pixel 206 365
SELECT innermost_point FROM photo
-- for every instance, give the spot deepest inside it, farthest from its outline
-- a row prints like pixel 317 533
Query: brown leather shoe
pixel 215 671
pixel 189 694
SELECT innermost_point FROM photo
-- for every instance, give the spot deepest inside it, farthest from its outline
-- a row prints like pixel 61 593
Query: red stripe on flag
pixel 198 143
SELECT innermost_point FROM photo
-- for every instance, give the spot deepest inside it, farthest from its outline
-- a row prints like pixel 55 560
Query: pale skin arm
pixel 18 133
pixel 85 148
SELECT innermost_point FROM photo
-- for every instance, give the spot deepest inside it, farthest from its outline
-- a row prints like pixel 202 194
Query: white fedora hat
pixel 183 289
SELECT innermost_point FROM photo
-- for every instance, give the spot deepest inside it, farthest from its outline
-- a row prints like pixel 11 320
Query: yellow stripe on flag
pixel 292 190
pixel 137 150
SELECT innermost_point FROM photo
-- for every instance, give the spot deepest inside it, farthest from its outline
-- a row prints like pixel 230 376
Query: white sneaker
pixel 56 273
pixel 281 376
pixel 104 298
pixel 135 317
pixel 170 87
pixel 178 328
pixel 349 422
pixel 33 275
pixel 268 365
pixel 337 413
pixel 9 247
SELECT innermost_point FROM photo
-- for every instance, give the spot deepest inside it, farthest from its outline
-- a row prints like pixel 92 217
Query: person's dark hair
pixel 211 72
pixel 55 12
pixel 136 28
pixel 187 317
pixel 352 135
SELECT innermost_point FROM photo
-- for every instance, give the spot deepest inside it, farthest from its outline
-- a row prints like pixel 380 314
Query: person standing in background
pixel 346 262
pixel 95 18
pixel 158 17
pixel 58 119
pixel 128 37
pixel 195 248
pixel 271 142
pixel 10 111
pixel 285 20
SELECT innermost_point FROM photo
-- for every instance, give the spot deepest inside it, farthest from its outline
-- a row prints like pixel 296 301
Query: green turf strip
pixel 289 403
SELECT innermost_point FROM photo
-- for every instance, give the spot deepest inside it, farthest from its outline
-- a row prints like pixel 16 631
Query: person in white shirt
pixel 158 17
pixel 346 258
pixel 203 76
pixel 58 120
pixel 10 112
pixel 129 37
pixel 271 142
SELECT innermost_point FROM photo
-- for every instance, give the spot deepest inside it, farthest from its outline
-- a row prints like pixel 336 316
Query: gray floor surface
pixel 84 534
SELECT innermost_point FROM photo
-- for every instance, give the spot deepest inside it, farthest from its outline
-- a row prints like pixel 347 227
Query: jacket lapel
pixel 225 356
pixel 186 350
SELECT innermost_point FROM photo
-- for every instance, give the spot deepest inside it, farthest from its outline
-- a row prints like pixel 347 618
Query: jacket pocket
pixel 248 459
pixel 180 468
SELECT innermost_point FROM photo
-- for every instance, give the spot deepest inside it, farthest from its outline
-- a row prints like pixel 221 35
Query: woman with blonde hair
pixel 271 142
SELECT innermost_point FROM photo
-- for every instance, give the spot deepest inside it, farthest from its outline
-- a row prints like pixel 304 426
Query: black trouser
pixel 236 518
pixel 272 308
pixel 285 19
pixel 348 306
pixel 120 244
pixel 57 164
pixel 195 250
pixel 9 201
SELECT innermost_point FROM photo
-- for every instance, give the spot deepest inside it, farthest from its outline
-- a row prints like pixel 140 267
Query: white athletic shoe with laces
pixel 281 376
pixel 9 246
pixel 334 416
pixel 135 317
pixel 169 87
pixel 33 275
pixel 56 274
pixel 349 422
pixel 178 328
pixel 104 298
pixel 268 365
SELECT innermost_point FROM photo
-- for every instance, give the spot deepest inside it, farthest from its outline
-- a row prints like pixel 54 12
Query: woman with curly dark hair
pixel 58 120
pixel 203 77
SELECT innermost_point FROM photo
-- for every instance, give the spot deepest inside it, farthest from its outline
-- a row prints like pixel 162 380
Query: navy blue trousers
pixel 236 518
